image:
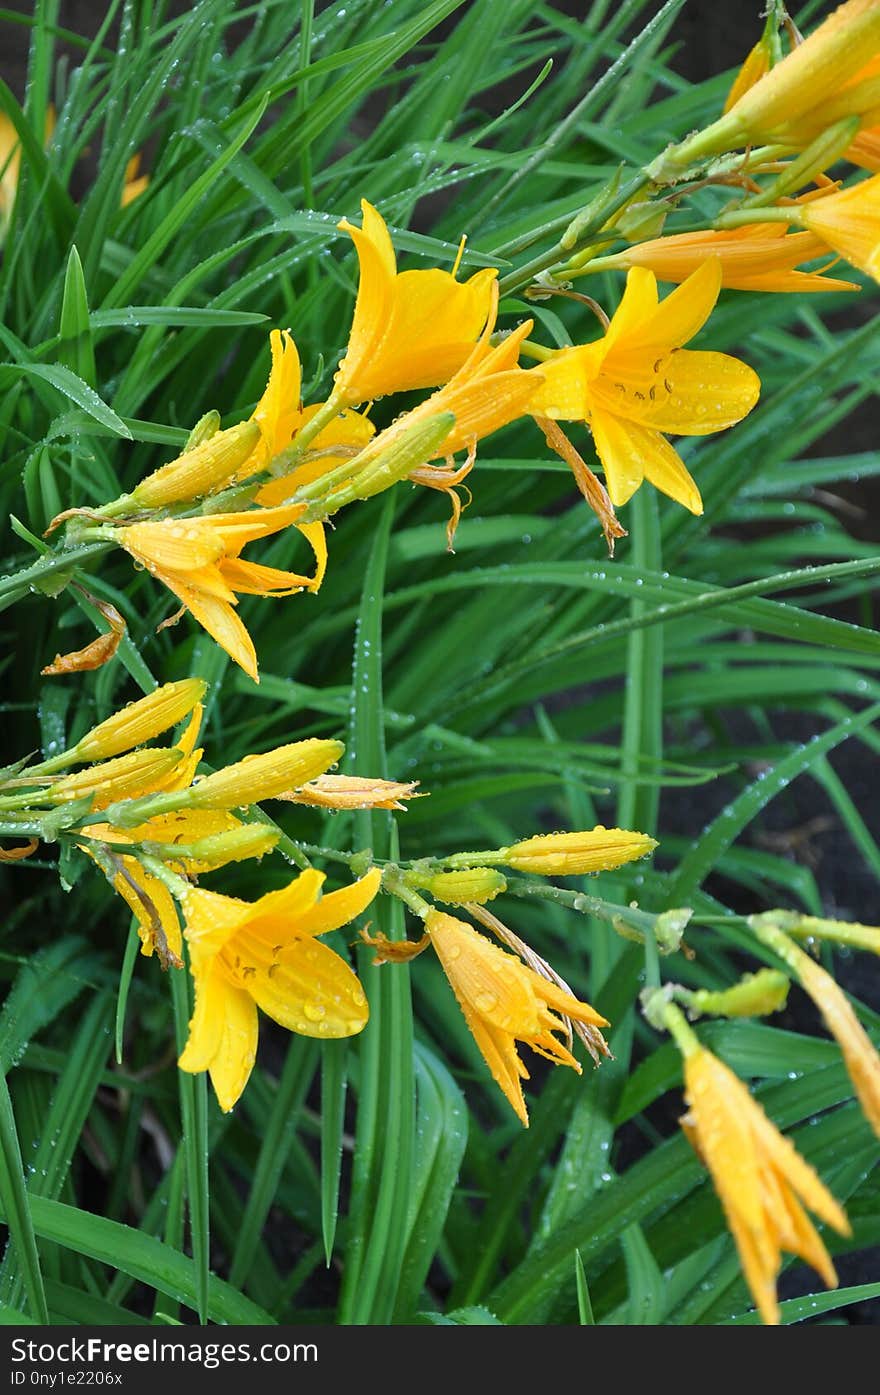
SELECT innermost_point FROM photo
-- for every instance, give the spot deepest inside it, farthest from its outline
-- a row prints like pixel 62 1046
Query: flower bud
pixel 574 854
pixel 480 884
pixel 388 459
pixel 122 778
pixel 263 776
pixel 231 845
pixel 756 995
pixel 199 471
pixel 142 720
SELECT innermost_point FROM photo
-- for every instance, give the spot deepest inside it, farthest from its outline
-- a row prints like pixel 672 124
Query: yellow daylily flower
pixel 860 1057
pixel 265 954
pixel 849 222
pixel 10 164
pixel 503 1002
pixel 760 1178
pixel 637 382
pixel 411 329
pixel 198 560
pixel 758 257
pixel 577 854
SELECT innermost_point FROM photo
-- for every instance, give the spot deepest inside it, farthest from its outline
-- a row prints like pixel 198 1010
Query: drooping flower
pixel 504 1001
pixel 758 257
pixel 198 560
pixel 411 329
pixel 760 1178
pixel 859 1055
pixel 352 792
pixel 849 222
pixel 265 954
pixel 637 382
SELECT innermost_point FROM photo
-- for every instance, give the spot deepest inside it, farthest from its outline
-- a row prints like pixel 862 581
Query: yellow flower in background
pixel 265 954
pixel 503 1002
pixel 638 382
pixel 848 221
pixel 859 1055
pixel 411 329
pixel 135 183
pixel 577 854
pixel 758 257
pixel 760 1178
pixel 10 159
pixel 198 560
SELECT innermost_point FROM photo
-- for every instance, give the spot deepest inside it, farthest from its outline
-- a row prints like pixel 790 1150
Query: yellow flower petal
pixel 339 907
pixel 631 453
pixel 222 1036
pixel 306 986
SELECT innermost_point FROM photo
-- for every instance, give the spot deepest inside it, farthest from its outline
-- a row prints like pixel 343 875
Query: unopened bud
pixel 199 471
pixel 574 854
pixel 390 458
pixel 142 720
pixel 479 884
pixel 756 995
pixel 231 845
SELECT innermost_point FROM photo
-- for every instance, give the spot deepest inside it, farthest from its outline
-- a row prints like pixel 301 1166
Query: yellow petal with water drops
pixel 278 411
pixel 339 907
pixel 498 1050
pixel 560 387
pixel 723 1134
pixel 220 621
pixel 378 268
pixel 638 303
pixel 305 987
pixel 152 906
pixel 490 981
pixel 676 319
pixel 849 222
pixel 859 1054
pixel 630 453
pixel 434 323
pixel 254 579
pixel 482 407
pixel 223 1037
pixel 172 545
pixel 211 920
pixel 620 448
pixel 276 916
pixel 699 393
pixel 316 538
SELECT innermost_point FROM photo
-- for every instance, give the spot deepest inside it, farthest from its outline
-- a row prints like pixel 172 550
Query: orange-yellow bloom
pixel 637 382
pixel 198 560
pixel 849 222
pixel 760 1178
pixel 757 257
pixel 411 329
pixel 340 440
pixel 265 954
pixel 860 1057
pixel 503 1002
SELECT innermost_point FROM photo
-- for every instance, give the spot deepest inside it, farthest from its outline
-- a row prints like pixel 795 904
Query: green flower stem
pixel 577 235
pixel 641 922
pixel 663 1014
pixel 767 928
pixel 741 217
pixel 29 828
pixel 307 433
pixel 394 883
pixel 30 579
pixel 839 932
